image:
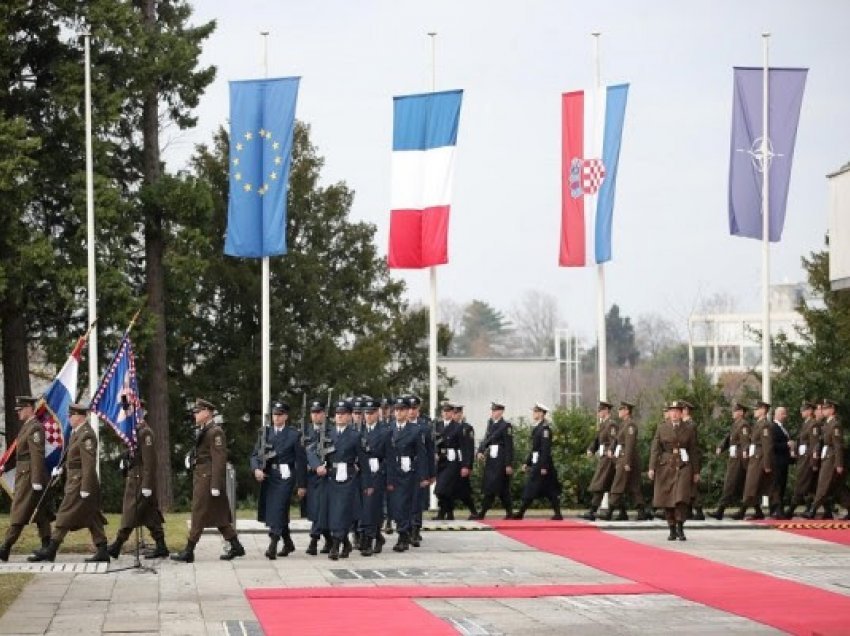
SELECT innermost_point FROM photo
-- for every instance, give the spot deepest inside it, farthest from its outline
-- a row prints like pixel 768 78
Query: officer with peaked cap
pixel 210 506
pixel 497 452
pixel 375 440
pixel 541 477
pixel 317 443
pixel 455 464
pixel 279 464
pixel 30 478
pixel 760 463
pixel 444 422
pixel 426 430
pixel 832 479
pixel 80 507
pixel 696 495
pixel 407 471
pixel 627 467
pixel 808 459
pixel 603 445
pixel 736 444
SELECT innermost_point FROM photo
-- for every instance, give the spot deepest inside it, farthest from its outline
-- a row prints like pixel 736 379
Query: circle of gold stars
pixel 273 175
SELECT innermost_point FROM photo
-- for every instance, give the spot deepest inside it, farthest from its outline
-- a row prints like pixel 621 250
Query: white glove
pixel 37 486
pixel 146 492
pixel 56 471
pixel 215 492
pixel 84 494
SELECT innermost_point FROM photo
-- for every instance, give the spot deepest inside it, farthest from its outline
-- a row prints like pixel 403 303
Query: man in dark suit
pixel 782 454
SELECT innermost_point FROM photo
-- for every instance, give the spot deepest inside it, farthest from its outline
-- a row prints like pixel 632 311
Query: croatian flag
pixel 585 174
pixel 424 140
pixel 116 400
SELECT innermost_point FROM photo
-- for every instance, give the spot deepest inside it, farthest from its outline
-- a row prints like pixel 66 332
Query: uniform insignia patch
pixel 744 430
pixel 546 433
pixel 88 444
pixel 765 432
pixel 837 432
pixel 218 441
pixel 148 441
pixel 509 430
pixel 36 437
pixel 631 430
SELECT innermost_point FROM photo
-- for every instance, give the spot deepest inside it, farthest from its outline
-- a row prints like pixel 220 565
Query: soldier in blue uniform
pixel 279 463
pixel 426 430
pixel 497 452
pixel 317 505
pixel 374 439
pixel 343 470
pixel 407 471
pixel 441 426
pixel 541 477
pixel 453 482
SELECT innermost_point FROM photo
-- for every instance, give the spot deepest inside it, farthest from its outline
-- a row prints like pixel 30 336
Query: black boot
pixel 326 547
pixel 47 553
pixel 680 531
pixel 758 514
pixel 333 553
pixel 101 555
pixel 313 548
pixel 699 515
pixel 356 542
pixel 114 548
pixel 810 512
pixel 739 516
pixel 160 550
pixel 415 538
pixel 622 515
pixel 556 511
pixel 234 550
pixel 590 515
pixel 5 549
pixel 718 514
pixel 672 536
pixel 379 543
pixel 401 544
pixel 604 515
pixel 366 547
pixel 271 551
pixel 388 527
pixel 521 512
pixel 827 512
pixel 288 546
pixel 45 541
pixel 644 514
pixel 346 548
pixel 790 511
pixel 187 555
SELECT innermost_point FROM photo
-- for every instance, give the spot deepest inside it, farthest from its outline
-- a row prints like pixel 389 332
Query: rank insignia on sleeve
pixel 546 433
pixel 509 430
pixel 837 432
pixel 148 441
pixel 88 444
pixel 765 432
pixel 36 437
pixel 631 430
pixel 744 431
pixel 218 441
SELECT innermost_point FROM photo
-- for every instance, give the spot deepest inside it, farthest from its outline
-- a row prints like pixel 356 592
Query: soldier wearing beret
pixel 317 443
pixel 603 446
pixel 407 471
pixel 30 478
pixel 808 459
pixel 674 466
pixel 279 464
pixel 497 452
pixel 627 467
pixel 80 506
pixel 831 481
pixel 541 477
pixel 736 444
pixel 760 463
pixel 140 506
pixel 210 506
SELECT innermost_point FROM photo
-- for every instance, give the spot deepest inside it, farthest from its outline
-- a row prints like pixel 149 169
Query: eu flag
pixel 262 117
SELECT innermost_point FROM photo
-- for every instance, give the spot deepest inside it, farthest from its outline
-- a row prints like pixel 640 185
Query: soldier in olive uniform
pixel 210 506
pixel 674 467
pixel 280 466
pixel 541 477
pixel 627 471
pixel 603 445
pixel 760 462
pixel 808 459
pixel 497 452
pixel 30 478
pixel 140 507
pixel 697 513
pixel 737 444
pixel 831 481
pixel 80 506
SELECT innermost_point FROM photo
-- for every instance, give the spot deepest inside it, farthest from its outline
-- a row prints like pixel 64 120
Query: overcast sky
pixel 513 59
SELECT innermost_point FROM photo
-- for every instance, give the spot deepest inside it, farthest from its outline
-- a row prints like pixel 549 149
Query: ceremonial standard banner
pixel 746 165
pixel 116 400
pixel 424 140
pixel 584 173
pixel 262 117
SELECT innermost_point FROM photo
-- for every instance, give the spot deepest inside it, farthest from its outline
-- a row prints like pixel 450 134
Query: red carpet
pixel 536 524
pixel 386 609
pixel 832 531
pixel 842 537
pixel 792 607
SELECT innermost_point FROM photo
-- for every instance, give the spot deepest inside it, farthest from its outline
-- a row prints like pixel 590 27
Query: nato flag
pixel 262 116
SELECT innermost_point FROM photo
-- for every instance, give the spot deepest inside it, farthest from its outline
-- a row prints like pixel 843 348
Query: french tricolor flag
pixel 585 174
pixel 424 140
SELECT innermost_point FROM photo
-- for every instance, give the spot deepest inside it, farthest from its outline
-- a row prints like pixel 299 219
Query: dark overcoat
pixel 75 512
pixel 498 450
pixel 137 509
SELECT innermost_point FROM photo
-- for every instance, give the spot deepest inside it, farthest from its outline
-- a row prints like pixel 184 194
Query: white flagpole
pixel 601 335
pixel 92 278
pixel 432 314
pixel 765 225
pixel 265 328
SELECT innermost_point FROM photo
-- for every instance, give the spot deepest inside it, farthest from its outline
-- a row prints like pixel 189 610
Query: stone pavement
pixel 207 597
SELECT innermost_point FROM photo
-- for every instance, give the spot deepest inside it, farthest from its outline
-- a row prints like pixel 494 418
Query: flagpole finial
pixel 596 34
pixel 765 34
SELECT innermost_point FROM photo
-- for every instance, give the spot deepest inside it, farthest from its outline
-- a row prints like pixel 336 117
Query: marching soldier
pixel 317 503
pixel 375 439
pixel 407 471
pixel 141 507
pixel 760 463
pixel 696 496
pixel 627 467
pixel 280 466
pixel 455 464
pixel 541 477
pixel 674 467
pixel 831 485
pixel 737 444
pixel 808 460
pixel 603 446
pixel 426 429
pixel 343 471
pixel 446 422
pixel 80 506
pixel 210 506
pixel 497 452
pixel 30 478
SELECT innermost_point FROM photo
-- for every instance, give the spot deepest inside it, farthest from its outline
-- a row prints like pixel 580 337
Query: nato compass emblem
pixel 761 157
pixel 586 176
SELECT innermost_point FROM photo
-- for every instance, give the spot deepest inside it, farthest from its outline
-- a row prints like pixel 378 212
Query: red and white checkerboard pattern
pixel 592 175
pixel 52 432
